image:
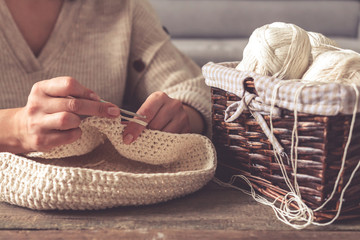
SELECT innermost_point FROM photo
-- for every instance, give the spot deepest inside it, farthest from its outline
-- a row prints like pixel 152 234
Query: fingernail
pixel 128 138
pixel 113 111
pixel 95 97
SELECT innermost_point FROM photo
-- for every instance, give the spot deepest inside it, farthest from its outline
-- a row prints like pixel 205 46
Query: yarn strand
pixel 343 164
pixel 303 216
pixel 289 53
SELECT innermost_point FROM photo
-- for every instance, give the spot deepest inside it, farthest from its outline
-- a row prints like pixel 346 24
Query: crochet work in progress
pixel 99 171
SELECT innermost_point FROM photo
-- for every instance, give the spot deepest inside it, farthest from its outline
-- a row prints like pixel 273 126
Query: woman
pixel 60 57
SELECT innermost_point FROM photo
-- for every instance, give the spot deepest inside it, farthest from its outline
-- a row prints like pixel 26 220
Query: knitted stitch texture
pixel 99 171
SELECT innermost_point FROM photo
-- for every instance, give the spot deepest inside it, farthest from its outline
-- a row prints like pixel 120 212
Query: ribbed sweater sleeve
pixel 156 64
pixel 116 48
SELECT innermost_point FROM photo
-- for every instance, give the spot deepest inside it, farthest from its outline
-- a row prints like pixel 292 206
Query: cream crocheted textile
pixel 98 171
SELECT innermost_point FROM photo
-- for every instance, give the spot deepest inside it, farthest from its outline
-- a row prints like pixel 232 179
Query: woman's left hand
pixel 162 113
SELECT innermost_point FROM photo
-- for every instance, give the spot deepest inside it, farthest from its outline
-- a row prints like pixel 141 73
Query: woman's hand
pixel 165 114
pixel 53 113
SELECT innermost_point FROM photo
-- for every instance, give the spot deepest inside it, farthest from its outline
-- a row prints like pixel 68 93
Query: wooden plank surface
pixel 212 211
pixel 175 234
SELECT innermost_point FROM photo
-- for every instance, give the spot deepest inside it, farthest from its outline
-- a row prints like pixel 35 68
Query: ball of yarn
pixel 340 66
pixel 319 44
pixel 319 40
pixel 279 49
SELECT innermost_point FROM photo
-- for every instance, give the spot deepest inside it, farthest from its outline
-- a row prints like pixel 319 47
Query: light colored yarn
pixel 291 95
pixel 154 147
pixel 157 167
pixel 307 213
pixel 319 44
pixel 334 66
pixel 303 216
pixel 279 49
pixel 319 40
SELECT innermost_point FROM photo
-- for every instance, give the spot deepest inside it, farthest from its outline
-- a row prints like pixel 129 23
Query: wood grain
pixel 175 234
pixel 211 213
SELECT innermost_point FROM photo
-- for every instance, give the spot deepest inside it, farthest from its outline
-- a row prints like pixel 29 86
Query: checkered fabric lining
pixel 326 99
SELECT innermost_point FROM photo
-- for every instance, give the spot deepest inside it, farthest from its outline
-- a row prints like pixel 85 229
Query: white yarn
pixel 157 167
pixel 343 165
pixel 284 212
pixel 336 65
pixel 155 147
pixel 279 49
pixel 319 40
pixel 302 216
pixel 304 213
pixel 319 44
pixel 285 51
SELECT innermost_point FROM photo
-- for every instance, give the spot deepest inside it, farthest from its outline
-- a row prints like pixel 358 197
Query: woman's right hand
pixel 53 113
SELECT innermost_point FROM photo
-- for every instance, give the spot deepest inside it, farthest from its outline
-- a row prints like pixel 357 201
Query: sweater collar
pixel 55 45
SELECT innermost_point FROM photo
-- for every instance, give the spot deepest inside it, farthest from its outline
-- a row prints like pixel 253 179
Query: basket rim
pixel 327 99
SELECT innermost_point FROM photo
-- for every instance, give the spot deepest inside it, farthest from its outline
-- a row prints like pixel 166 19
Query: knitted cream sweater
pixel 117 48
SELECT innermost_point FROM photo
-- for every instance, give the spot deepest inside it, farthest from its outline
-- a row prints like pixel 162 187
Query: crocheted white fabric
pixel 98 171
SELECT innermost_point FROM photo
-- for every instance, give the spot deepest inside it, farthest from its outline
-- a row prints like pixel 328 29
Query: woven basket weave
pixel 244 149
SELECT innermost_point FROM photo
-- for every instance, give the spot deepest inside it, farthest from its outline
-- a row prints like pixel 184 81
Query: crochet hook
pixel 141 122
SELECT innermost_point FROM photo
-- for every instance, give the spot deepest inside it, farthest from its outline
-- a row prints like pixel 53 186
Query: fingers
pixel 82 107
pixel 66 94
pixel 162 113
pixel 177 125
pixel 64 87
pixel 149 109
pixel 61 121
pixel 53 138
pixel 52 130
pixel 53 113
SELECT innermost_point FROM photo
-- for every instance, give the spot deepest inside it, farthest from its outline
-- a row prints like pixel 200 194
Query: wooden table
pixel 211 213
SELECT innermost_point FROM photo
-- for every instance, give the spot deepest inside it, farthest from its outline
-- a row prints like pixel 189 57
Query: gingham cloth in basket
pixel 327 99
pixel 99 171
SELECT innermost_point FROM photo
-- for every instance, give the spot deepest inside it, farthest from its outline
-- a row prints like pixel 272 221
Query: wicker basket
pixel 244 149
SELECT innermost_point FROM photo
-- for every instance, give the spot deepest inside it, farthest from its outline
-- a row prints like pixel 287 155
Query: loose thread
pixel 304 213
pixel 278 156
pixel 343 165
pixel 91 165
pixel 285 213
pixel 303 216
pixel 329 63
pixel 294 146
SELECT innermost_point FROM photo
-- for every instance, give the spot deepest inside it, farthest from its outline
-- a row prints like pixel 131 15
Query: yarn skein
pixel 319 44
pixel 336 66
pixel 279 49
pixel 271 52
pixel 319 40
